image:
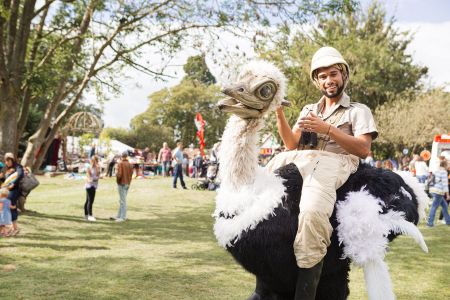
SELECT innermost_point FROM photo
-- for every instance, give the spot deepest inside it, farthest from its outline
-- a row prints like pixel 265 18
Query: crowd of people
pixel 169 162
pixel 435 180
pixel 177 163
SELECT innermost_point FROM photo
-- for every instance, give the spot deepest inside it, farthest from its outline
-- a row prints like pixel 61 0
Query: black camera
pixel 308 138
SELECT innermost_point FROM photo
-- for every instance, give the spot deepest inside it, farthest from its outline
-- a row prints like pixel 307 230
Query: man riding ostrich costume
pixel 298 223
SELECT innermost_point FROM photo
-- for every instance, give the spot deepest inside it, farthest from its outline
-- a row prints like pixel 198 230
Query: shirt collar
pixel 344 102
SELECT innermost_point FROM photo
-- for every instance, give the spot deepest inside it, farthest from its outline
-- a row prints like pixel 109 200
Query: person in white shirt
pixel 421 169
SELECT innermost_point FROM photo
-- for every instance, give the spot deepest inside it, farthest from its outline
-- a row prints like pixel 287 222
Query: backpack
pixel 28 183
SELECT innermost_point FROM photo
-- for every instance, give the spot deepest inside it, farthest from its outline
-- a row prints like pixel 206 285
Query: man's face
pixel 331 82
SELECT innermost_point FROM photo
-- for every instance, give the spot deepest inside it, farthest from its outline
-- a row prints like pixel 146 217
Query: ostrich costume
pixel 257 211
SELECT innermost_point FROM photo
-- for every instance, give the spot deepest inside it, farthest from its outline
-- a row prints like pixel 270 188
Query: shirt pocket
pixel 344 120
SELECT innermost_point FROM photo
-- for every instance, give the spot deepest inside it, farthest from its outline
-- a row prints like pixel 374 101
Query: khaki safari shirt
pixel 356 120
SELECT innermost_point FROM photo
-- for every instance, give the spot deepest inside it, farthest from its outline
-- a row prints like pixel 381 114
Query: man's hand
pixel 313 123
pixel 279 110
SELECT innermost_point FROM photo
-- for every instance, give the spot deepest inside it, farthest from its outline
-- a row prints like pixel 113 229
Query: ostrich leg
pixel 333 284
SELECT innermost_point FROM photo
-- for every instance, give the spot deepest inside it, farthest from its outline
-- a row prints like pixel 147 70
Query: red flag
pixel 200 124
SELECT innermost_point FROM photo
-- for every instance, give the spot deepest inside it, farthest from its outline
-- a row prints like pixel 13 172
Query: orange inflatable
pixel 426 155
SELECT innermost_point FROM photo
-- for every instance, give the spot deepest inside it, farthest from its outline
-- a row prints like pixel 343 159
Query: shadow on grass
pixel 123 278
pixel 39 215
pixel 57 237
pixel 59 247
pixel 189 225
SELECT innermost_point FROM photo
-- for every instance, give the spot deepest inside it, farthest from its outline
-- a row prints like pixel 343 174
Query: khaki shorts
pixel 323 173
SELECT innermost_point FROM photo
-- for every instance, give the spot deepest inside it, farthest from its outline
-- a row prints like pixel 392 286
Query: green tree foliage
pixel 379 66
pixel 94 40
pixel 173 110
pixel 196 69
pixel 123 135
pixel 411 122
pixel 145 135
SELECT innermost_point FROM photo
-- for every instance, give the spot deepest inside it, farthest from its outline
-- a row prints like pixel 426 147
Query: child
pixel 5 214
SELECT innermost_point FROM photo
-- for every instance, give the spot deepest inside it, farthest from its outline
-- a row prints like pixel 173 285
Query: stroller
pixel 209 182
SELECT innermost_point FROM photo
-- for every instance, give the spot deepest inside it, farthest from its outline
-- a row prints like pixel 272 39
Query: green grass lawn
pixel 166 250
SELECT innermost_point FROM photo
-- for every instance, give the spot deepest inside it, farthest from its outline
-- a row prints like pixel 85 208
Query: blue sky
pixel 428 11
pixel 428 19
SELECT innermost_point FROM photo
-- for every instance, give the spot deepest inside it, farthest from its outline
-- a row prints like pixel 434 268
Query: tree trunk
pixel 23 117
pixel 9 111
pixel 34 146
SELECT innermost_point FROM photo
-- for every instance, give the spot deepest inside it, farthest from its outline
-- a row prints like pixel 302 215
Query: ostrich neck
pixel 239 152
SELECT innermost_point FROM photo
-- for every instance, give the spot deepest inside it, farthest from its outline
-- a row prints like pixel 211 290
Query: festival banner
pixel 200 124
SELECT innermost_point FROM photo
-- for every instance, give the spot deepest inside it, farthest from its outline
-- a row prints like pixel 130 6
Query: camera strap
pixel 333 120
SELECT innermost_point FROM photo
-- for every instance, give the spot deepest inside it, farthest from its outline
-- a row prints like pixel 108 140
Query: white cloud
pixel 430 48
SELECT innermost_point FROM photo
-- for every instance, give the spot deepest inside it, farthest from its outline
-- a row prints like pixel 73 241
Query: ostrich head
pixel 260 88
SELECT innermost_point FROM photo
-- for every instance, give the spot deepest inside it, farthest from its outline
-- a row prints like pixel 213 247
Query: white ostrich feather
pixel 422 198
pixel 378 281
pixel 396 223
pixel 238 153
pixel 363 231
pixel 360 229
pixel 249 206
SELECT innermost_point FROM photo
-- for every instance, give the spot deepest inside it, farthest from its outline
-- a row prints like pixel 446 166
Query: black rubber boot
pixel 307 282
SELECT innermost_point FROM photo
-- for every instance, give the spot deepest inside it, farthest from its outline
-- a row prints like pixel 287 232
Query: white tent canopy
pixel 103 148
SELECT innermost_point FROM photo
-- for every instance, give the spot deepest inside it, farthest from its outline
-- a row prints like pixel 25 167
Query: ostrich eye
pixel 266 91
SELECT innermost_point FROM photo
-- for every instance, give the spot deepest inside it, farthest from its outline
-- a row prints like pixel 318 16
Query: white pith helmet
pixel 326 57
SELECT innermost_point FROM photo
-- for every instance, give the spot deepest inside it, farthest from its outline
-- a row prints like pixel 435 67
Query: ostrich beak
pixel 231 105
pixel 285 102
pixel 226 102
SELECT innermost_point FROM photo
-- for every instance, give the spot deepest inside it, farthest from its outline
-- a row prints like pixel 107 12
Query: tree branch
pixel 103 82
pixel 37 40
pixel 46 6
pixel 21 43
pixel 12 30
pixel 50 53
pixel 144 69
pixel 68 66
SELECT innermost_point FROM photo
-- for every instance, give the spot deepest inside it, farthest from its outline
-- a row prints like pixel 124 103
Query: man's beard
pixel 333 95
